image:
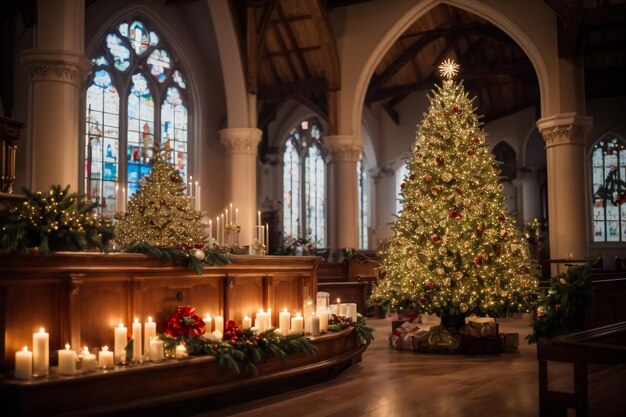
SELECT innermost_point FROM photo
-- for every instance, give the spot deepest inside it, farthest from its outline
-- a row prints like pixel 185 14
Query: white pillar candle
pixel 105 358
pixel 89 360
pixel 297 324
pixel 227 220
pixel 181 351
pixel 137 341
pixel 351 311
pixel 269 318
pixel 323 299
pixel 219 324
pixel 284 320
pixel 67 361
pixel 246 323
pixel 259 322
pixel 149 331
pixel 307 312
pixel 322 312
pixel 41 353
pixel 315 324
pixel 156 349
pixel 121 333
pixel 334 309
pixel 208 323
pixel 23 364
pixel 267 238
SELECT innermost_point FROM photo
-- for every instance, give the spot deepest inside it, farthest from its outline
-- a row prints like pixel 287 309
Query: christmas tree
pixel 160 214
pixel 455 250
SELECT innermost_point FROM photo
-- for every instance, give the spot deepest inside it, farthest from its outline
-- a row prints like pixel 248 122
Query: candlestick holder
pixel 259 248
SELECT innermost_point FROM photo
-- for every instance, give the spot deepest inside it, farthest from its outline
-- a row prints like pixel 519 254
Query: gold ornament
pixel 463 308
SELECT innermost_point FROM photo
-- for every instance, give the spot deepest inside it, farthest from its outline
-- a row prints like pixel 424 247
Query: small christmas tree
pixel 455 250
pixel 160 214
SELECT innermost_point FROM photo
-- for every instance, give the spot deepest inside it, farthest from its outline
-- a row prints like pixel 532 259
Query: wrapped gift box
pixel 511 342
pixel 479 329
pixel 408 337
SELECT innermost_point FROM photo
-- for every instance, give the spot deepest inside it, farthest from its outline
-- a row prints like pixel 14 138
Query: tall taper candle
pixel 210 230
pixel 236 214
pixel 258 223
pixel 230 219
pixel 41 353
pixel 217 236
pixel 121 333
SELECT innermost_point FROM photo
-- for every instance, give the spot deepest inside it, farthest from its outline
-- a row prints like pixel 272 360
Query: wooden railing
pixel 604 345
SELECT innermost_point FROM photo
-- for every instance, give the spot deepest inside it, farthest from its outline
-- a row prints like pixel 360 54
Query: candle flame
pixel 85 350
pixel 121 325
pixel 25 349
pixel 338 300
pixel 298 314
pixel 207 316
pixel 285 310
pixel 105 348
pixel 136 320
pixel 67 346
pixel 42 330
pixel 149 319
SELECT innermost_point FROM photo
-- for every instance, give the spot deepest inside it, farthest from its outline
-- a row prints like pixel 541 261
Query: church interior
pixel 278 164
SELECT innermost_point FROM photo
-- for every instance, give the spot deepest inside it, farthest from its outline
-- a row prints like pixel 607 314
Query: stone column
pixel 241 152
pixel 343 154
pixel 565 136
pixel 56 68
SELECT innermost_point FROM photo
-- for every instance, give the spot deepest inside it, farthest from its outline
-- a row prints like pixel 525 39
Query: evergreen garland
pixel 566 306
pixel 188 256
pixel 54 221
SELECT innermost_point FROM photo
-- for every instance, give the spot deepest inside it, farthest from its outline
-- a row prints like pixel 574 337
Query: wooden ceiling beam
pixel 283 46
pixel 291 51
pixel 302 87
pixel 255 38
pixel 294 44
pixel 291 19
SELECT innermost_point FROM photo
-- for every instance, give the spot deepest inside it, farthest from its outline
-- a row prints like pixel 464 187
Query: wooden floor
pixel 397 384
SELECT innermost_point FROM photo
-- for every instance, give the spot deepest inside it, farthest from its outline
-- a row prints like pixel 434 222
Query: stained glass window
pixel 136 86
pixel 608 172
pixel 304 184
pixel 363 203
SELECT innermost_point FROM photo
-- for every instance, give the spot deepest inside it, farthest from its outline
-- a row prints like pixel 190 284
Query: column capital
pixel 242 140
pixel 346 148
pixel 56 65
pixel 565 129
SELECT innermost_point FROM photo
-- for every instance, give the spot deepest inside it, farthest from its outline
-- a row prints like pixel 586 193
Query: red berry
pixel 454 214
pixel 439 160
pixel 455 110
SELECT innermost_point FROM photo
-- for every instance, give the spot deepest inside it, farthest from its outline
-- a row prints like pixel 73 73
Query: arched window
pixel 134 88
pixel 401 175
pixel 363 203
pixel 304 184
pixel 608 171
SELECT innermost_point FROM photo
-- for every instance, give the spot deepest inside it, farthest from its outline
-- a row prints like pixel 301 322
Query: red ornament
pixel 382 273
pixel 423 300
pixel 409 207
pixel 428 178
pixel 402 185
pixel 470 152
pixel 496 250
pixel 434 191
pixel 436 238
pixel 455 110
pixel 412 177
pixel 458 191
pixel 175 178
pixel 501 217
pixel 496 169
pixel 474 139
pixel 478 230
pixel 430 286
pixel 478 260
pixel 454 214
pixel 439 160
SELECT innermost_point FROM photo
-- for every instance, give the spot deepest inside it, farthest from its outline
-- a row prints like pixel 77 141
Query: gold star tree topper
pixel 448 69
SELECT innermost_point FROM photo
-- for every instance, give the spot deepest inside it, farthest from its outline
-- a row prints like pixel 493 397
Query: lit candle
pixel 284 319
pixel 246 323
pixel 149 331
pixel 23 364
pixel 105 358
pixel 217 238
pixel 269 318
pixel 67 361
pixel 334 309
pixel 236 214
pixel 223 229
pixel 340 308
pixel 121 333
pixel 262 321
pixel 219 324
pixel 315 324
pixel 297 324
pixel 136 341
pixel 197 196
pixel 230 220
pixel 181 351
pixel 208 322
pixel 156 349
pixel 210 230
pixel 227 219
pixel 322 312
pixel 190 183
pixel 89 360
pixel 41 353
pixel 267 238
pixel 258 223
pixel 350 310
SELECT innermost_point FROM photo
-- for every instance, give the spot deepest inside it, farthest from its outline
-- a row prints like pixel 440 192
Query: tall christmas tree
pixel 160 214
pixel 455 250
